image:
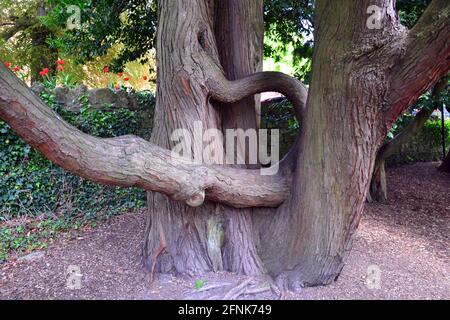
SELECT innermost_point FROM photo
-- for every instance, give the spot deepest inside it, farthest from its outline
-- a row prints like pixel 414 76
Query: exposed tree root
pixel 246 288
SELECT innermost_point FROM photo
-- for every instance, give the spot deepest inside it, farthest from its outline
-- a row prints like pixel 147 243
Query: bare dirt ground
pixel 407 239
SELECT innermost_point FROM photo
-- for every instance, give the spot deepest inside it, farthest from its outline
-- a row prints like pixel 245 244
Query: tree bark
pixel 240 44
pixel 213 237
pixel 345 121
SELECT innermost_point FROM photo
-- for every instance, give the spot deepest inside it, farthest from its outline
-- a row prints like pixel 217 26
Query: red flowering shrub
pixel 44 72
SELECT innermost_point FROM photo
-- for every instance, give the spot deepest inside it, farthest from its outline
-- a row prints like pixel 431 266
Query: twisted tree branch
pixel 131 161
pixel 223 90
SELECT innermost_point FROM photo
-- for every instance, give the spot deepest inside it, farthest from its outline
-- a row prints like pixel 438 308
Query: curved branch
pixel 224 90
pixel 128 160
pixel 426 58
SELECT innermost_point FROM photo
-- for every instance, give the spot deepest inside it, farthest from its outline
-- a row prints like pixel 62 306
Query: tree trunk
pixel 44 56
pixel 342 129
pixel 212 237
pixel 305 241
pixel 240 46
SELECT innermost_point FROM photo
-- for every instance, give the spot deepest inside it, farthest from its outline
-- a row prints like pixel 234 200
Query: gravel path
pixel 406 240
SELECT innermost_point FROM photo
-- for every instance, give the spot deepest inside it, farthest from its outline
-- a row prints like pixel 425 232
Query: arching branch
pixel 223 90
pixel 426 58
pixel 128 160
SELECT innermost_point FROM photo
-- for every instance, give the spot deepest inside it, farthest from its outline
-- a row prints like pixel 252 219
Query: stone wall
pixel 98 98
pixel 105 98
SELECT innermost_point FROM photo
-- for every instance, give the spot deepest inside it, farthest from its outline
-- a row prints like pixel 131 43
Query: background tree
pixel 22 22
pixel 445 166
pixel 127 25
pixel 302 219
pixel 429 104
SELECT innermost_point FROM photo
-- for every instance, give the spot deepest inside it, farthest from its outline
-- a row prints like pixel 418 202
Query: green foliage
pixel 20 238
pixel 410 10
pixel 425 146
pixel 288 38
pixel 199 283
pixel 280 115
pixel 132 24
pixel 26 235
pixel 32 185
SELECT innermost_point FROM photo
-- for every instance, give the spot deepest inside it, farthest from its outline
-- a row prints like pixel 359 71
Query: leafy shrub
pixel 425 146
pixel 280 115
pixel 31 185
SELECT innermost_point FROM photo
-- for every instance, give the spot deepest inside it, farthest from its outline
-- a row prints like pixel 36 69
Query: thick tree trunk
pixel 212 237
pixel 340 134
pixel 240 43
pixel 305 241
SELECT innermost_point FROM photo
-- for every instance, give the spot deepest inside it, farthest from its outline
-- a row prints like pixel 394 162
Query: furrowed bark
pixel 240 45
pixel 424 60
pixel 340 134
pixel 212 237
